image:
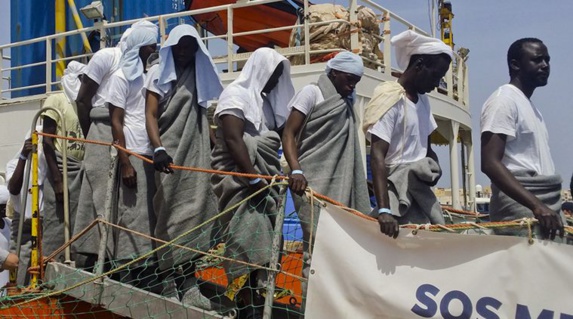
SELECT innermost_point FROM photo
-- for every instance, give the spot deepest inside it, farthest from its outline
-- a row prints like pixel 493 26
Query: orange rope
pixel 568 229
pixel 177 167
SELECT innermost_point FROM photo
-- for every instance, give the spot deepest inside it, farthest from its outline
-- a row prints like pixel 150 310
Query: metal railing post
pixel 275 254
pixel 387 44
pixel 230 51
pixel 48 66
pixel 108 210
pixel 460 78
pixel 162 30
pixel 354 25
pixel 306 34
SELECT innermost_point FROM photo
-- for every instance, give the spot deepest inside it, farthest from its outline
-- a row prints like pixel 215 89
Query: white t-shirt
pixel 128 96
pixel 10 167
pixel 410 143
pixel 151 81
pixel 509 112
pixel 101 66
pixel 269 120
pixel 306 99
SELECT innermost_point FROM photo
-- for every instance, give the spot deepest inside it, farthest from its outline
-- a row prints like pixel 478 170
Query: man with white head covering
pixel 94 114
pixel 136 186
pixel 320 143
pixel 250 114
pixel 64 102
pixel 398 121
pixel 177 92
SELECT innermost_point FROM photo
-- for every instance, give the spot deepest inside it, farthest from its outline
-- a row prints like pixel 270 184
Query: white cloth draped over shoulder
pixel 245 92
pixel 207 80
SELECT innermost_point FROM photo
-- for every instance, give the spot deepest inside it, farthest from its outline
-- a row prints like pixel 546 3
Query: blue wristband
pixel 22 157
pixel 384 211
pixel 297 171
pixel 254 181
pixel 157 149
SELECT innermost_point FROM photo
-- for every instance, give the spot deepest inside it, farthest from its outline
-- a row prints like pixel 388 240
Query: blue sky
pixel 487 28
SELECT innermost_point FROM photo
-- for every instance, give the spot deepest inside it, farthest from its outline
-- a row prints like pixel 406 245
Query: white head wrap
pixel 70 80
pixel 347 62
pixel 130 62
pixel 245 92
pixel 122 41
pixel 139 24
pixel 4 194
pixel 207 81
pixel 409 43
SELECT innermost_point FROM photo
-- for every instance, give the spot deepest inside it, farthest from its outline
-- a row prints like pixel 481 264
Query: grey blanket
pixel 504 208
pixel 53 221
pixel 135 212
pixel 330 156
pixel 249 229
pixel 329 151
pixel 93 191
pixel 184 199
pixel 411 196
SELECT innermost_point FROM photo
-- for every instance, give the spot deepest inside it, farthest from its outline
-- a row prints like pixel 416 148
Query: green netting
pixel 138 288
pixel 194 288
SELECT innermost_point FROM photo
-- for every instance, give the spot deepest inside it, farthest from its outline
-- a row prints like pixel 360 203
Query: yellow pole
pixel 60 42
pixel 35 255
pixel 79 25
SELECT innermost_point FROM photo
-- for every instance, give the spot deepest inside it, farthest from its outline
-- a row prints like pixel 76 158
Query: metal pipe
pixel 306 34
pixel 79 24
pixel 230 40
pixel 35 254
pixel 48 66
pixel 108 208
pixel 354 41
pixel 275 254
pixel 60 26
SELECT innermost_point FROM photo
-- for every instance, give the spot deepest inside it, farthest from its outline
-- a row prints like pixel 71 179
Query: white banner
pixel 359 273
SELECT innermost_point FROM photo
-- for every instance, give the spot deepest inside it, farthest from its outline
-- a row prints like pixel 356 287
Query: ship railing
pixel 224 51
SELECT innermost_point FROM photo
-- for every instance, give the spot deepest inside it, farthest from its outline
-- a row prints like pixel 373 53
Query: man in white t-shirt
pixel 8 260
pixel 94 118
pixel 15 170
pixel 136 186
pixel 399 121
pixel 515 145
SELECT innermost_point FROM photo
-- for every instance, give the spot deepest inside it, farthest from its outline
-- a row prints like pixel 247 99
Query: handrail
pixel 32 166
pixel 456 78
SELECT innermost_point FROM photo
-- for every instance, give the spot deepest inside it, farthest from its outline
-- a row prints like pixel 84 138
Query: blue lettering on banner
pixel 467 308
pixel 422 295
pixel 486 307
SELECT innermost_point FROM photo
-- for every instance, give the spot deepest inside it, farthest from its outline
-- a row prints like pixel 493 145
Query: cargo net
pixel 198 284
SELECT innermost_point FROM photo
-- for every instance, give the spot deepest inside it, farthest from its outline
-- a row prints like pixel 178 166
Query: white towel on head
pixel 139 24
pixel 245 92
pixel 409 43
pixel 207 81
pixel 347 62
pixel 70 80
pixel 130 62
